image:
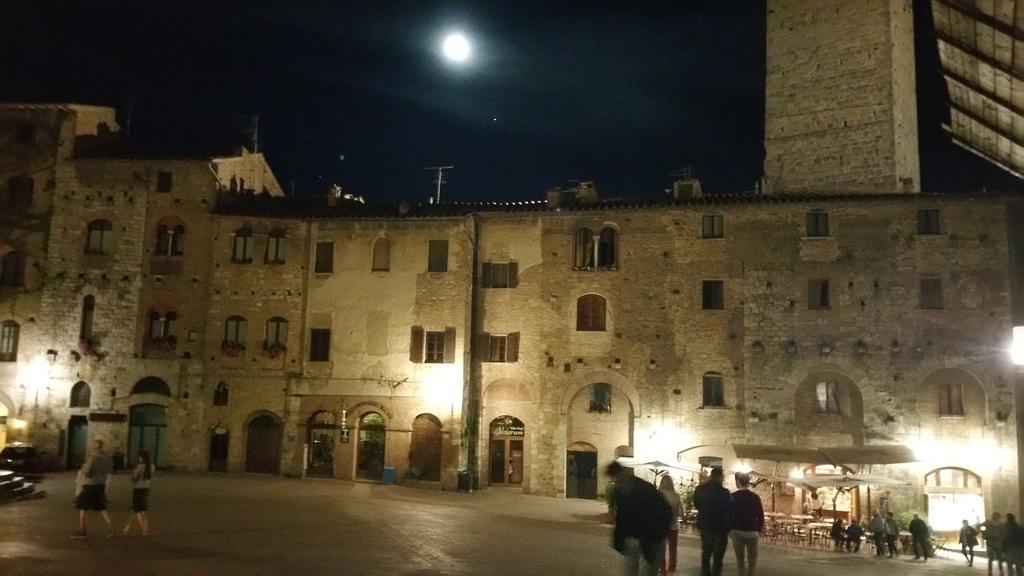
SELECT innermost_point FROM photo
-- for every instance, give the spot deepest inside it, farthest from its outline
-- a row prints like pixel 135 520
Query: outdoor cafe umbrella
pixel 844 483
pixel 658 467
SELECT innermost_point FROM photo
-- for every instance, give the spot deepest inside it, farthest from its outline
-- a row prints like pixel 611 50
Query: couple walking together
pixel 92 490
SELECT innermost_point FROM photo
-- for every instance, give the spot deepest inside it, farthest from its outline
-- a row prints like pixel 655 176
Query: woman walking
pixel 668 491
pixel 142 477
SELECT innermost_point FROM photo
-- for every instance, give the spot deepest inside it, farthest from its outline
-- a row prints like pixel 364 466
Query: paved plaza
pixel 243 524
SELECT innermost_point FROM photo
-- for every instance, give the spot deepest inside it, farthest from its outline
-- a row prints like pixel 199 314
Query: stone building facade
pixel 186 306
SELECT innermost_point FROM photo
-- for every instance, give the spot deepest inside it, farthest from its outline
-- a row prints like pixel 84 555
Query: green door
pixel 148 432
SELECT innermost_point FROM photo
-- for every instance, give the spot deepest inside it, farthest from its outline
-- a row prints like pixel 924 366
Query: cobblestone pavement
pixel 244 524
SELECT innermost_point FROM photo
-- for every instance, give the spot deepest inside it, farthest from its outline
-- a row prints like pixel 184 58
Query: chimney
pixel 687 189
pixel 554 197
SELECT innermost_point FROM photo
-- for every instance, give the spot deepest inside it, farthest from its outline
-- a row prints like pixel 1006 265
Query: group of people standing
pixel 647 523
pixel 92 490
pixel 1004 542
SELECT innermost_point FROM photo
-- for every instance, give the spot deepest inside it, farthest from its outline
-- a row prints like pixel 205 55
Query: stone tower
pixel 840 102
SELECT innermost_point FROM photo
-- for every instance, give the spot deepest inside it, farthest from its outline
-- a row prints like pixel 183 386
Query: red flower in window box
pixel 164 343
pixel 88 347
pixel 274 350
pixel 231 348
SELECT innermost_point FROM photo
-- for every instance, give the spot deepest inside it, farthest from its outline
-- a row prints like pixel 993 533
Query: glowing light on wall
pixel 18 423
pixel 1017 346
pixel 441 386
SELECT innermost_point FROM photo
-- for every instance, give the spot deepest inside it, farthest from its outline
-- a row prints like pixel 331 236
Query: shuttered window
pixel 500 275
pixel 319 344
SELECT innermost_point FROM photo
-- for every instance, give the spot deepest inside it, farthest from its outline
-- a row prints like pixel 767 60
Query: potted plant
pixel 164 343
pixel 231 349
pixel 274 350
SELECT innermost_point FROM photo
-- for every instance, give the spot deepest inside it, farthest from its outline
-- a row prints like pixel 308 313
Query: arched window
pixel 19 192
pixel 277 334
pixel 151 385
pixel 81 394
pixel 954 494
pixel 170 240
pixel 88 311
pixel 713 385
pixel 583 250
pixel 220 394
pixel 601 397
pixel 827 394
pixel 12 269
pixel 9 341
pixel 590 313
pixel 951 399
pixel 607 249
pixel 381 255
pixel 275 247
pixel 234 330
pixel 100 237
pixel 243 247
pixel 162 326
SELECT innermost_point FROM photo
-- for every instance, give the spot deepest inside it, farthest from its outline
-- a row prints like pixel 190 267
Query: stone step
pixel 10 485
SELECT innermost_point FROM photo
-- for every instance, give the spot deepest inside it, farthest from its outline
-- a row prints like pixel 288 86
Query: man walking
pixel 920 534
pixel 993 531
pixel 714 518
pixel 747 524
pixel 642 517
pixel 92 491
pixel 892 534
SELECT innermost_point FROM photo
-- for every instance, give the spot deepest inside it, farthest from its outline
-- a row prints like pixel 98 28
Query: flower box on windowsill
pixel 275 350
pixel 89 347
pixel 163 344
pixel 231 349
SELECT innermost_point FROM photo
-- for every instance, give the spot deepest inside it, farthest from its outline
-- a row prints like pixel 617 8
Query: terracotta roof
pixel 318 208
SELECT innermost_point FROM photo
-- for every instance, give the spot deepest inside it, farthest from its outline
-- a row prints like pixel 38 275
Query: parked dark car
pixel 19 458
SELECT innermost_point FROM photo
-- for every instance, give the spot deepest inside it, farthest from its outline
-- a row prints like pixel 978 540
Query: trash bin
pixel 388 477
pixel 464 481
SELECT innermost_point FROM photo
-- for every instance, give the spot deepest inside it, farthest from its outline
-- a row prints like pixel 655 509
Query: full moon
pixel 456 47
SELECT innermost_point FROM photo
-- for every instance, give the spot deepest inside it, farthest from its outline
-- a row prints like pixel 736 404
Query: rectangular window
pixel 164 181
pixel 931 294
pixel 713 295
pixel 438 256
pixel 601 397
pixel 828 397
pixel 714 390
pixel 9 341
pixel 713 226
pixel 817 224
pixel 818 297
pixel 435 348
pixel 497 348
pixel 324 258
pixel 951 399
pixel 275 250
pixel 500 275
pixel 242 250
pixel 319 344
pixel 928 221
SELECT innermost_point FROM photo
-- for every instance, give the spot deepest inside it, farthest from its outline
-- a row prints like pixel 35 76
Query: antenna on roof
pixel 439 181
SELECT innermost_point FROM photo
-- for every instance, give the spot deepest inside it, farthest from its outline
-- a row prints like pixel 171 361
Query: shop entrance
pixel 581 471
pixel 506 458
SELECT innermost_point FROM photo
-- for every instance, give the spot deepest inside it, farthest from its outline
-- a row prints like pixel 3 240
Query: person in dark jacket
pixel 642 517
pixel 968 540
pixel 838 534
pixel 1013 545
pixel 854 534
pixel 714 519
pixel 919 534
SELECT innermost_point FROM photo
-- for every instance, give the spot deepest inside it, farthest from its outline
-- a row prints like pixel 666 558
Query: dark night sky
pixel 556 91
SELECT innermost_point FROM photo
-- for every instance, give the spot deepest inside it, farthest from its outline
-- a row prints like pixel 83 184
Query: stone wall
pixel 840 101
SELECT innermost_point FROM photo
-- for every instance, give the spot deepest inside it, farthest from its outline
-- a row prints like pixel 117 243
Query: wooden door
pixel 218 453
pixel 263 445
pixel 425 447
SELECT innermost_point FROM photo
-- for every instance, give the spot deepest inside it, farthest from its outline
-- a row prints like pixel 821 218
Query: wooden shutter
pixel 512 347
pixel 449 345
pixel 416 345
pixel 513 274
pixel 485 275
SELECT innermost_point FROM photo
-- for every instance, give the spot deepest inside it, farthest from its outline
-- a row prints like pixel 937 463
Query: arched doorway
pixel 321 444
pixel 581 471
pixel 148 431
pixel 263 445
pixel 218 460
pixel 370 456
pixel 78 438
pixel 506 457
pixel 845 501
pixel 954 495
pixel 425 447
